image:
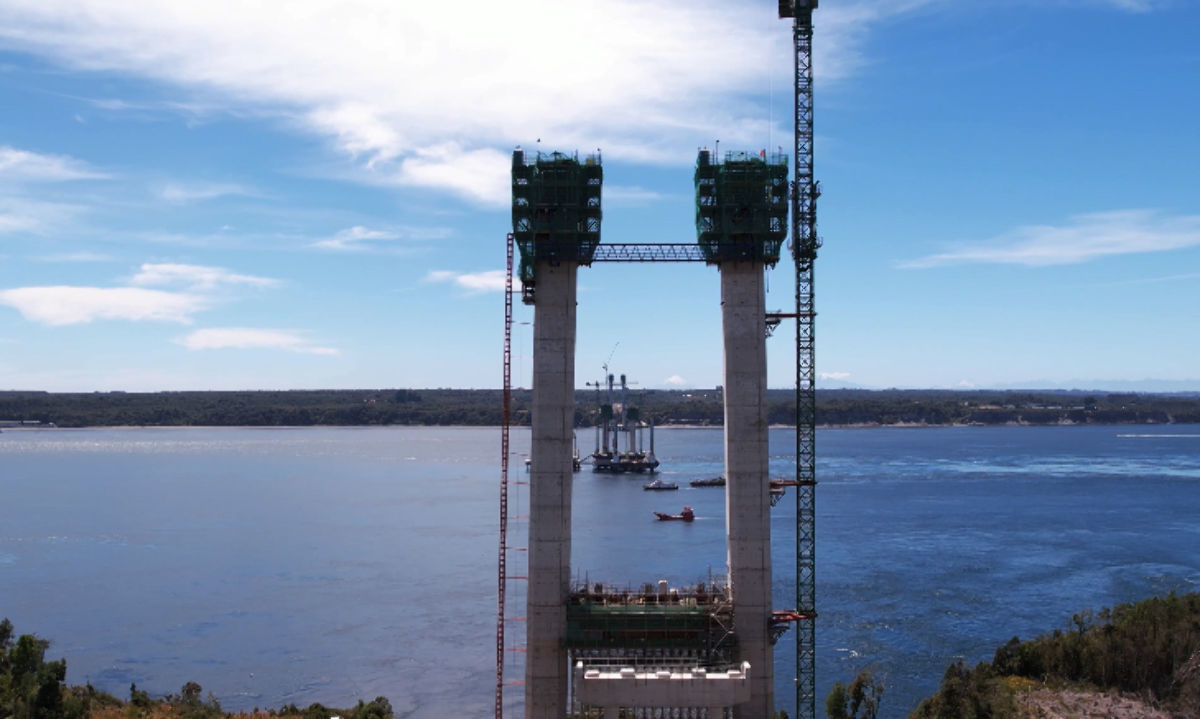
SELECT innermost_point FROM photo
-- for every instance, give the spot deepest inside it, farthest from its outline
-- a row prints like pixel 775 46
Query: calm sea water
pixel 301 565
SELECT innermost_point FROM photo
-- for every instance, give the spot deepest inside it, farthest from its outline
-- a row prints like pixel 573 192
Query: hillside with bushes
pixel 1135 660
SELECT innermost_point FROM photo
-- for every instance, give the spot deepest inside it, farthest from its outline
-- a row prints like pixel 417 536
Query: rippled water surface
pixel 281 565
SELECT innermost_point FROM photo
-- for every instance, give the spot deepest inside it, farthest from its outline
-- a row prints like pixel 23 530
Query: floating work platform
pixel 620 433
pixel 637 462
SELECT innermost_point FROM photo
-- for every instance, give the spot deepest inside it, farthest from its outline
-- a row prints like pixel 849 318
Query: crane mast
pixel 804 245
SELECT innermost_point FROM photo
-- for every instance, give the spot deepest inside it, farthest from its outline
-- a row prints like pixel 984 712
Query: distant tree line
pixel 663 407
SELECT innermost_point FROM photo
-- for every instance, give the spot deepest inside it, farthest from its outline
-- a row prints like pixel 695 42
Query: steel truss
pixel 649 252
pixel 677 252
pixel 805 242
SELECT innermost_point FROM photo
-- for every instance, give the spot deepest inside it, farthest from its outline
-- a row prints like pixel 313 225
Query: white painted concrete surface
pixel 627 687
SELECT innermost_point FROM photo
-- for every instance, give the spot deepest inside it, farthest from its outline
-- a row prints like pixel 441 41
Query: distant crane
pixel 804 245
pixel 610 356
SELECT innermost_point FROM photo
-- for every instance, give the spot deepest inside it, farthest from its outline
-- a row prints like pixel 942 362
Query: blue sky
pixel 310 194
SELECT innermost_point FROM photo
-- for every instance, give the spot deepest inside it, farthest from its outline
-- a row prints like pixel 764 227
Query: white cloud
pixel 75 257
pixel 421 94
pixel 65 305
pixel 1083 238
pixel 1132 5
pixel 355 238
pixel 473 282
pixel 675 381
pixel 30 166
pixel 364 238
pixel 834 375
pixel 178 192
pixel 22 214
pixel 16 223
pixel 194 111
pixel 480 175
pixel 250 338
pixel 195 277
pixel 629 195
pixel 68 305
pixel 1183 277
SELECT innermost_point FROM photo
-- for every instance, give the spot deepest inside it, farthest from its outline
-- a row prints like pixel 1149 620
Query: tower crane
pixel 804 245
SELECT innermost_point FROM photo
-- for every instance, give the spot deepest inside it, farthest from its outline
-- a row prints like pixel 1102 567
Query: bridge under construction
pixel 608 649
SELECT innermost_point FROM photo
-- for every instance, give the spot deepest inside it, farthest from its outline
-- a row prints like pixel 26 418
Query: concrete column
pixel 747 490
pixel 550 478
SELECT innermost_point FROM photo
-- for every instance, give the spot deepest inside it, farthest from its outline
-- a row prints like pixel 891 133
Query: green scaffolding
pixel 652 625
pixel 741 206
pixel 555 209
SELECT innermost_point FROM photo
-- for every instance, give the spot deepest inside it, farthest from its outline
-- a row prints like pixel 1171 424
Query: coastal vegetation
pixel 482 407
pixel 33 688
pixel 1145 654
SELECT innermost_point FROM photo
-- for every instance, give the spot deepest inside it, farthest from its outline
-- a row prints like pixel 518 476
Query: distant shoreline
pixel 861 425
pixel 666 408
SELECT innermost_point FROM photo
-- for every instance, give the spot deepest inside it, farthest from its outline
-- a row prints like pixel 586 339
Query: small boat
pixel 709 482
pixel 660 484
pixel 685 516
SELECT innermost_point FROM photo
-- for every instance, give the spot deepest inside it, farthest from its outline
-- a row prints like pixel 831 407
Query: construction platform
pixel 657 648
pixel 555 209
pixel 656 626
pixel 741 206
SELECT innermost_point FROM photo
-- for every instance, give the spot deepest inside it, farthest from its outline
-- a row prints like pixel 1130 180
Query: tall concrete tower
pixel 556 225
pixel 741 220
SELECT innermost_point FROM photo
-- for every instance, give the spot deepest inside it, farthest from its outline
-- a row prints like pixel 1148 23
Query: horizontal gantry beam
pixel 648 252
pixel 714 253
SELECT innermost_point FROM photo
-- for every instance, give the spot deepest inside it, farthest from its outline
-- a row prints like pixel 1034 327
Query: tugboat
pixel 685 516
pixel 659 484
pixel 617 420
